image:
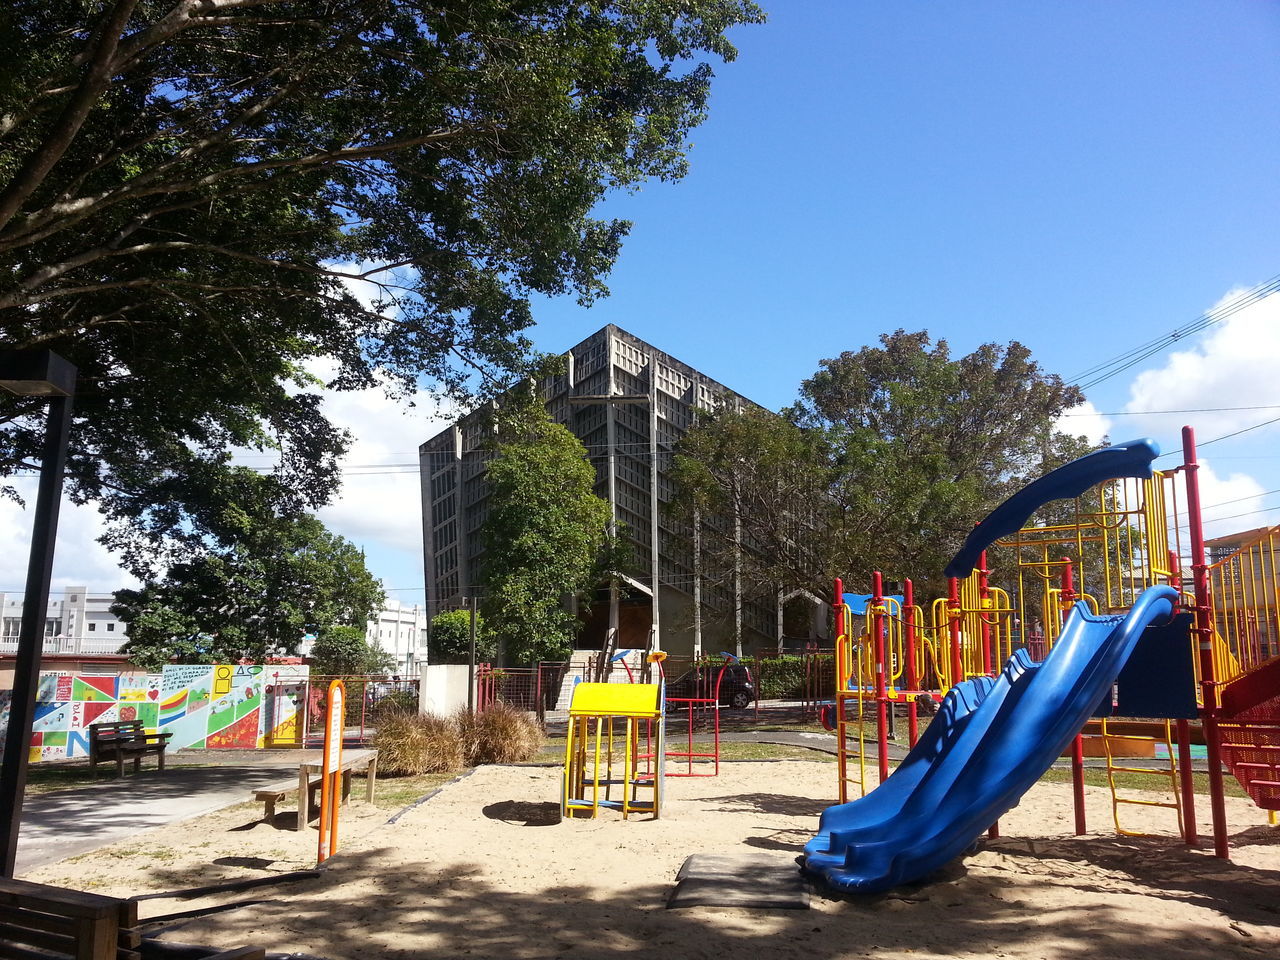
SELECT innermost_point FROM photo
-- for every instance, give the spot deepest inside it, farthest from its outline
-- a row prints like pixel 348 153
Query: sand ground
pixel 487 869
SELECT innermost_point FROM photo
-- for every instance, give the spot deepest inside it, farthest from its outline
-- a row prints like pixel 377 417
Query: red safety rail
pixel 366 696
pixel 819 678
pixel 1250 731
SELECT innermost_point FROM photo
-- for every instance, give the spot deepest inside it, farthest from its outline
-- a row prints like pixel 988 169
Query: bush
pixel 501 734
pixel 450 638
pixel 779 678
pixel 410 744
pixel 404 701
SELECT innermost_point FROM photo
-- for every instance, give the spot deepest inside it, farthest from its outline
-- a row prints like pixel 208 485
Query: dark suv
pixel 736 689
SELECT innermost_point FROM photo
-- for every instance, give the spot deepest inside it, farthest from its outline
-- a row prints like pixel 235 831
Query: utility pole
pixel 471 661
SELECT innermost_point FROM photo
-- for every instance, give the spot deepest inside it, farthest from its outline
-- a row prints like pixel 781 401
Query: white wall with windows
pixel 76 622
pixel 401 630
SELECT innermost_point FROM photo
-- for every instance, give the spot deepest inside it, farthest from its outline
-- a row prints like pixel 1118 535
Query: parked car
pixel 736 689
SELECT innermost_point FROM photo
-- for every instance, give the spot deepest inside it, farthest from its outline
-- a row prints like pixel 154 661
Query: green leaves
pixel 189 239
pixel 890 456
pixel 280 580
pixel 545 535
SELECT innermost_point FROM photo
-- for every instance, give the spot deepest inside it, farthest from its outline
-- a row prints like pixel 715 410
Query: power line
pixel 1107 369
pixel 1154 413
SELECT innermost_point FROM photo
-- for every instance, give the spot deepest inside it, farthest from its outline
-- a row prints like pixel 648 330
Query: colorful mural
pixel 66 706
pixel 202 706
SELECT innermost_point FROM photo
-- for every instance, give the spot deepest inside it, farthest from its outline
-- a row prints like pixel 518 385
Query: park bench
pixel 308 782
pixel 124 740
pixel 272 793
pixel 41 922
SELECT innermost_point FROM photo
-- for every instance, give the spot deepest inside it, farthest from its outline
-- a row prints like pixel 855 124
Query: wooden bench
pixel 41 922
pixel 272 793
pixel 125 739
pixel 310 777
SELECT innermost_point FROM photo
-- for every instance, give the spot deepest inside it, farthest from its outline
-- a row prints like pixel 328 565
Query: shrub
pixel 397 700
pixel 410 744
pixel 779 678
pixel 501 734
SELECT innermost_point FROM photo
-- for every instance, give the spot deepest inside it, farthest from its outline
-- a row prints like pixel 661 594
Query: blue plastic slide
pixel 994 740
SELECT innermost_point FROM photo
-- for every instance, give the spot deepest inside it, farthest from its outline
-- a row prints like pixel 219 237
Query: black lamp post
pixel 37 373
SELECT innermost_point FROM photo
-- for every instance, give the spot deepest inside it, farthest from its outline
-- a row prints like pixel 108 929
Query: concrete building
pixel 401 630
pixel 80 634
pixel 629 403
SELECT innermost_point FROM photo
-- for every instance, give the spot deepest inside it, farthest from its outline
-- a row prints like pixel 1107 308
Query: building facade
pixel 401 630
pixel 629 403
pixel 81 635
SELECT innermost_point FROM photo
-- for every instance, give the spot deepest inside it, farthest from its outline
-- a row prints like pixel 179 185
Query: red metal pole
pixel 984 592
pixel 1189 833
pixel 913 681
pixel 1077 781
pixel 1204 629
pixel 953 607
pixel 882 692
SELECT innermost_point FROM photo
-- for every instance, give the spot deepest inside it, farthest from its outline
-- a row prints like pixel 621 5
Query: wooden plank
pixel 97 941
pixel 128 937
pixel 39 896
pixel 128 955
pixel 127 915
pixel 12 951
pixel 40 920
pixel 63 944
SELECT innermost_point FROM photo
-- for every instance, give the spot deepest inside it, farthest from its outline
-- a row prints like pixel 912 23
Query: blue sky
pixel 1081 176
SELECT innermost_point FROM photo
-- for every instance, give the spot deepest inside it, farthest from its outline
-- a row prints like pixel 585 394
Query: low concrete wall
pixel 443 688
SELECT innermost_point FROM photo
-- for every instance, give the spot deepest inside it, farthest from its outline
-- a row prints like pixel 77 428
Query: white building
pixel 401 630
pixel 80 634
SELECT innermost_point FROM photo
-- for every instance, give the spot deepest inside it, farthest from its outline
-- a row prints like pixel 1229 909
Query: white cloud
pixel 1231 503
pixel 380 500
pixel 1235 364
pixel 1085 421
pixel 79 560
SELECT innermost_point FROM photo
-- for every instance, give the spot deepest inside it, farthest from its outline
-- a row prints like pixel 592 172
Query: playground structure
pixel 612 750
pixel 1115 548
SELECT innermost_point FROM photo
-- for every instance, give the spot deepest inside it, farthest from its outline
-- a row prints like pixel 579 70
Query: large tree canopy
pixel 187 187
pixel 282 580
pixel 889 457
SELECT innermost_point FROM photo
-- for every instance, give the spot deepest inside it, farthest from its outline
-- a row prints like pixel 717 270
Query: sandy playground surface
pixel 486 869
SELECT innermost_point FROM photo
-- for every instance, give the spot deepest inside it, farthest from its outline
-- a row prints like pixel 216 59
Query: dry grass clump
pixel 410 744
pixel 501 734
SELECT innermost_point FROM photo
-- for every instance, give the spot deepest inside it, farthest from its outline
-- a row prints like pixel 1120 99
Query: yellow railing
pixel 1244 591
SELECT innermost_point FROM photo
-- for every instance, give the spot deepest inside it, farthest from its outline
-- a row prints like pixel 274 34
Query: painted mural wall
pixel 212 707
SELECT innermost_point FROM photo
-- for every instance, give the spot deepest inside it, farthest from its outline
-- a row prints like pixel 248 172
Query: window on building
pixel 52 626
pixel 92 627
pixel 111 628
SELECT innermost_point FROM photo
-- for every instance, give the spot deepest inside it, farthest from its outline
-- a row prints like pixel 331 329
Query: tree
pixel 451 638
pixel 545 538
pixel 250 601
pixel 189 187
pixel 920 446
pixel 346 651
pixel 758 486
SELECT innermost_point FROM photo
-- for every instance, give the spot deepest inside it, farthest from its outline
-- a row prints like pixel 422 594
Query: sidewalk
pixel 70 822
